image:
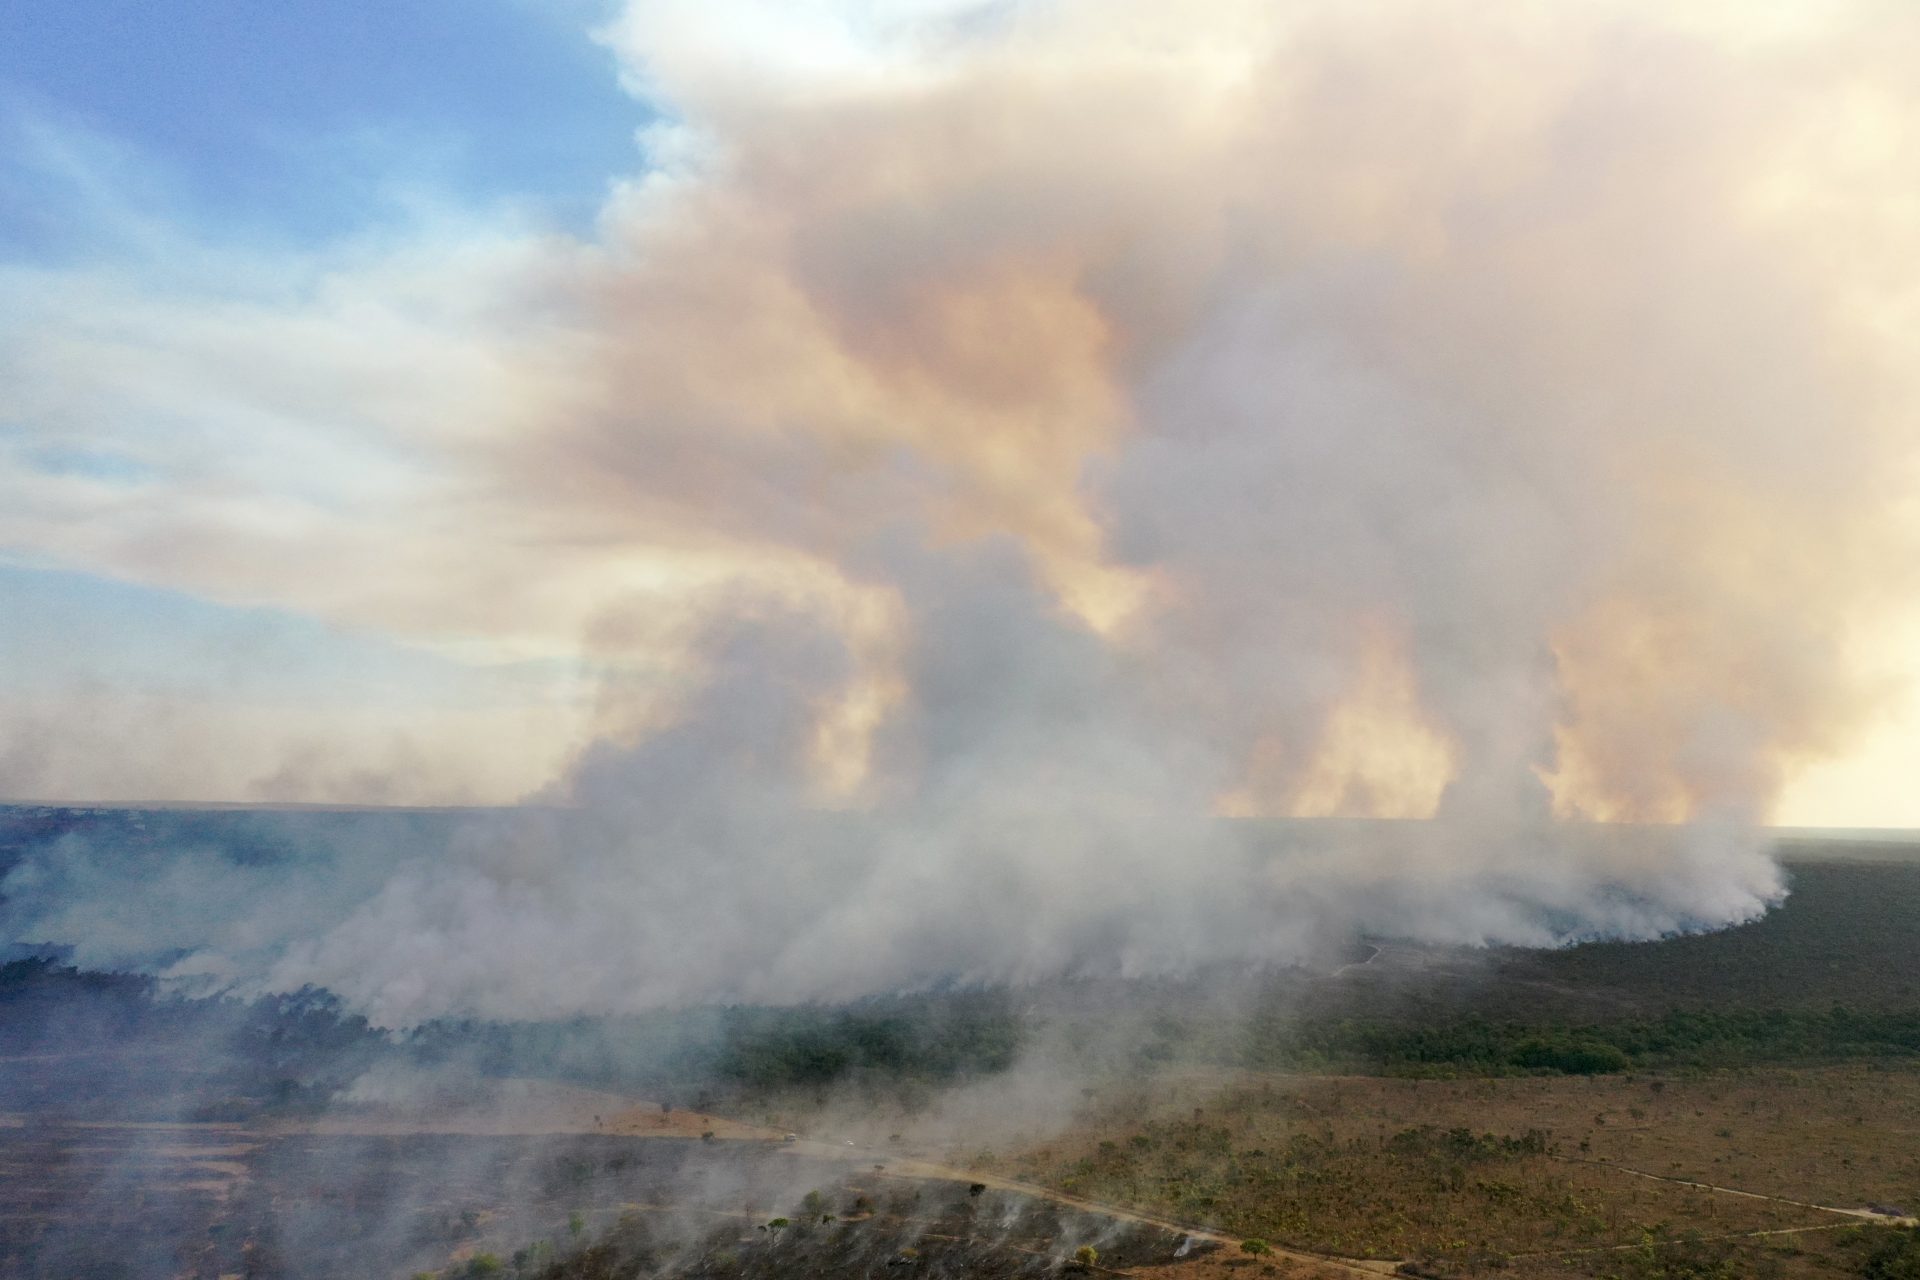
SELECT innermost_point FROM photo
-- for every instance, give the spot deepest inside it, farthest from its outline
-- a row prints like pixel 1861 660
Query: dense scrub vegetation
pixel 1682 1039
pixel 1414 1192
pixel 223 1058
pixel 1839 937
pixel 929 1038
pixel 936 1039
pixel 1819 979
pixel 1887 1253
pixel 147 1054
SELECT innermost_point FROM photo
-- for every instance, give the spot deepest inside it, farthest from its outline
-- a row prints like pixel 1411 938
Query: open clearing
pixel 1534 1176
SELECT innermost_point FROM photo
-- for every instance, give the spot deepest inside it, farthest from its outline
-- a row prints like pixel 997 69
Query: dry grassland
pixel 1544 1176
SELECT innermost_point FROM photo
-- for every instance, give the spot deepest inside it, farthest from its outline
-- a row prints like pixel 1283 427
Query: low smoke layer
pixel 990 443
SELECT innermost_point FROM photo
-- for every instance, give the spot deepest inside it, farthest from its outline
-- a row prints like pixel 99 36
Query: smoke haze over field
pixel 985 444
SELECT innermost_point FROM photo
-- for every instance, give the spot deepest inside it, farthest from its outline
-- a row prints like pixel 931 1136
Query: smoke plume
pixel 1004 459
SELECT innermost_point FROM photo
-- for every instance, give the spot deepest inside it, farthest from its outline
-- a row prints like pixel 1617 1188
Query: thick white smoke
pixel 1051 425
pixel 1040 821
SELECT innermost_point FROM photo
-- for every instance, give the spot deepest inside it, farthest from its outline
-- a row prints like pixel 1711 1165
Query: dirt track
pixel 539 1109
pixel 1868 1215
pixel 947 1173
pixel 536 1108
pixel 646 1120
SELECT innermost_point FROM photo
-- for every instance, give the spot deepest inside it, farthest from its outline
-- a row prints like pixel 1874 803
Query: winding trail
pixel 904 1168
pixel 544 1108
pixel 1867 1215
pixel 1657 1244
pixel 1359 964
pixel 520 1107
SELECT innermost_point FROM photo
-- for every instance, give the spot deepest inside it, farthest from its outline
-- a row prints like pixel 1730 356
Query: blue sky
pixel 275 129
pixel 296 121
pixel 163 641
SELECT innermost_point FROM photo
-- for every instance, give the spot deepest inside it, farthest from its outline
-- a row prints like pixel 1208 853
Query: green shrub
pixel 1892 1254
pixel 1579 1056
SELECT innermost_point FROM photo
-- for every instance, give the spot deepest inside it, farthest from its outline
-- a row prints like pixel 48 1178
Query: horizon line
pixel 1789 831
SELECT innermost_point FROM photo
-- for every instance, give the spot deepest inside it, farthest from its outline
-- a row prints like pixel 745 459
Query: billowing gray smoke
pixel 1039 822
pixel 1025 433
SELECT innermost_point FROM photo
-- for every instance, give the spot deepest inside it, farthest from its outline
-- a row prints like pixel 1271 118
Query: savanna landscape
pixel 1741 1103
pixel 959 639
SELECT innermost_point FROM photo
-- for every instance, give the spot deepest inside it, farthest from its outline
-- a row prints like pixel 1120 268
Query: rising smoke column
pixel 1050 426
pixel 1506 347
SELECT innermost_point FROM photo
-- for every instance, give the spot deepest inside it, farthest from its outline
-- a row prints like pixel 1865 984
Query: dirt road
pixel 534 1108
pixel 910 1168
pixel 1867 1215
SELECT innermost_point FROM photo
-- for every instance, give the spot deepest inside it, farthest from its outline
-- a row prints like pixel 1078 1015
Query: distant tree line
pixel 143 1050
pixel 1685 1038
pixel 224 1058
pixel 935 1040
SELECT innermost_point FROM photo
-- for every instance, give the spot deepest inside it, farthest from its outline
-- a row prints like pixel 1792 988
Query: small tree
pixel 1256 1246
pixel 1087 1256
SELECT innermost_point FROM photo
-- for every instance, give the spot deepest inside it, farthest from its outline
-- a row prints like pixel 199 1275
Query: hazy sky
pixel 391 395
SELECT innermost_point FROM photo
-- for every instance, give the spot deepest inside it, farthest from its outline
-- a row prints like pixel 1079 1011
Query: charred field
pixel 98 1199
